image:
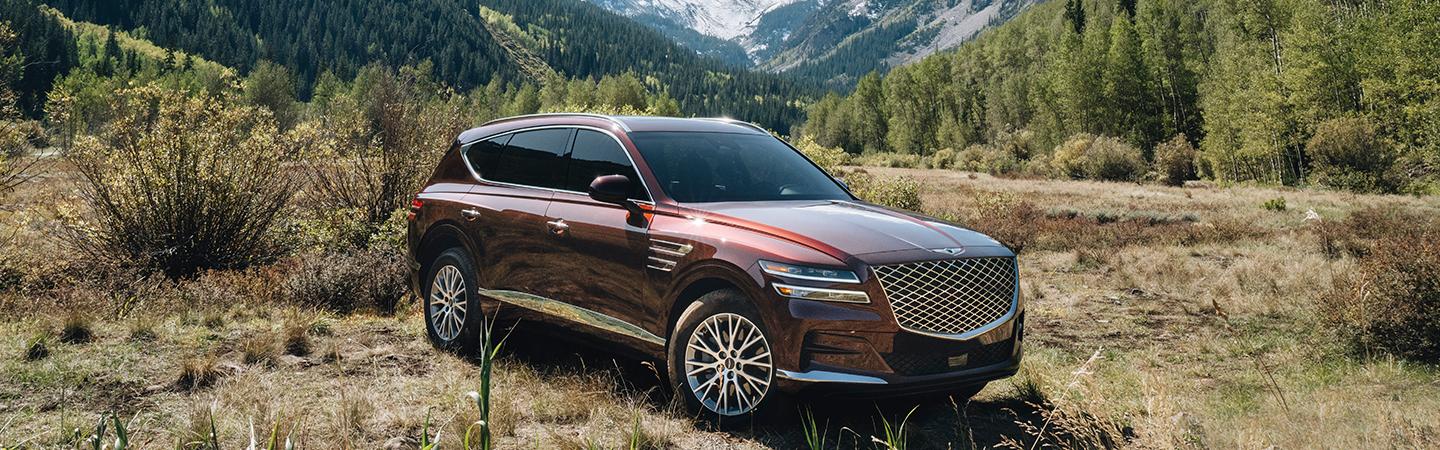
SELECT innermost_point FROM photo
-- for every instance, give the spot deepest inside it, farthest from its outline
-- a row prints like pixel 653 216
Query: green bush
pixel 1346 153
pixel 988 159
pixel 1086 156
pixel 1175 161
pixel 379 141
pixel 943 159
pixel 1390 302
pixel 828 158
pixel 1276 204
pixel 898 192
pixel 182 184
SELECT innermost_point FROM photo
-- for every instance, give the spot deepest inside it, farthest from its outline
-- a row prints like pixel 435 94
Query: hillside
pixel 1302 92
pixel 832 41
pixel 575 39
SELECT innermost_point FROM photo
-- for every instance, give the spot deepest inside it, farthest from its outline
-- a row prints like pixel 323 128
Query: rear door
pixel 604 252
pixel 506 215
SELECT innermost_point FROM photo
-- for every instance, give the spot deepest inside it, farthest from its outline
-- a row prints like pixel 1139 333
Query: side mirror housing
pixel 611 189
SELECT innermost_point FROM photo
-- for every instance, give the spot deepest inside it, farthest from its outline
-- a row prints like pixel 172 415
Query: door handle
pixel 470 214
pixel 558 227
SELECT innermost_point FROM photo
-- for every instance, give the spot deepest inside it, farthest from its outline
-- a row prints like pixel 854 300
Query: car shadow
pixel 937 421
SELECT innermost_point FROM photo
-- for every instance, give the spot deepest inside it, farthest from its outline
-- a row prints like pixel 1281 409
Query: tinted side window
pixel 484 155
pixel 597 154
pixel 535 158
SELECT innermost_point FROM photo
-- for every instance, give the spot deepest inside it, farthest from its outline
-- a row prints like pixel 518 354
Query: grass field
pixel 1160 317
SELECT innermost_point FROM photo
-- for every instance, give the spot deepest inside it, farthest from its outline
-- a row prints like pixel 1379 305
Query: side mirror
pixel 611 189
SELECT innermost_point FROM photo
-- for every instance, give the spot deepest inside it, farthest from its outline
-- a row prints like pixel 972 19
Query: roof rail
pixel 737 122
pixel 562 114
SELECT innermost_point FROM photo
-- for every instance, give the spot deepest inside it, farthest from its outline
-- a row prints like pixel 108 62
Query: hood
pixel 854 228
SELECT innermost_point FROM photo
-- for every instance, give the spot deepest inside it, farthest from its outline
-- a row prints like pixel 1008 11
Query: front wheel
pixel 452 315
pixel 720 360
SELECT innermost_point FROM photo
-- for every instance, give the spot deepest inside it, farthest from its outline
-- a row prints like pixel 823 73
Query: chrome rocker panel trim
pixel 573 313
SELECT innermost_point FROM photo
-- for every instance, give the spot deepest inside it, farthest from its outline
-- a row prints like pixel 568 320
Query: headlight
pixel 828 295
pixel 809 273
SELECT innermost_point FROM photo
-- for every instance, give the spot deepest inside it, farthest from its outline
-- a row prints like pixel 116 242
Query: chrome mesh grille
pixel 949 297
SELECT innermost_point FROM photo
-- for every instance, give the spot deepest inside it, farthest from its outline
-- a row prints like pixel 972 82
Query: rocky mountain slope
pixel 831 40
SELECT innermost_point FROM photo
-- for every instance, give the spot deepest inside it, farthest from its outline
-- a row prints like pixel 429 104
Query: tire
pixel 721 387
pixel 453 317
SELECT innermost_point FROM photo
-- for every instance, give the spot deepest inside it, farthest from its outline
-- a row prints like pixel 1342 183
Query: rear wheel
pixel 452 313
pixel 720 361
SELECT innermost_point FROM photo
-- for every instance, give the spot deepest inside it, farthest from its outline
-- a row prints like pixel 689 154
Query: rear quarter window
pixel 484 155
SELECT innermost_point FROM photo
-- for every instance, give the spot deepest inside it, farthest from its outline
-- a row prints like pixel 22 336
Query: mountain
pixel 470 43
pixel 835 41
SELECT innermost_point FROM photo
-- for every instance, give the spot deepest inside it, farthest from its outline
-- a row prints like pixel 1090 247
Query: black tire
pixel 467 339
pixel 724 305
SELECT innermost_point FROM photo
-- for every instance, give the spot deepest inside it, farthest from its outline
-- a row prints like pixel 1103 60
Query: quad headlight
pixel 809 273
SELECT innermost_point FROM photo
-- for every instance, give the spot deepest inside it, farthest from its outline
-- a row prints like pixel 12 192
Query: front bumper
pixel 876 363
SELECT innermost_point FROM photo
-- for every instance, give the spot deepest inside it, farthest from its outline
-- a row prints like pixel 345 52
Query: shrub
pixel 1005 217
pixel 829 158
pixel 1390 302
pixel 898 192
pixel 348 281
pixel 1175 161
pixel 1346 153
pixel 1086 156
pixel 181 185
pixel 77 329
pixel 16 161
pixel 943 159
pixel 902 160
pixel 1276 204
pixel 988 159
pixel 198 373
pixel 37 347
pixel 380 140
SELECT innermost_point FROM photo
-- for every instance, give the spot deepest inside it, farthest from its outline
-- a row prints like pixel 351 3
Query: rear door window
pixel 596 154
pixel 534 158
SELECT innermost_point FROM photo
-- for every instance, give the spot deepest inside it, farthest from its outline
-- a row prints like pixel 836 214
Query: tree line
pixel 1336 93
pixel 575 39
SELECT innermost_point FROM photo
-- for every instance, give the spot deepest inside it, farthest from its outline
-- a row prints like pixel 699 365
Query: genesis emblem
pixel 952 251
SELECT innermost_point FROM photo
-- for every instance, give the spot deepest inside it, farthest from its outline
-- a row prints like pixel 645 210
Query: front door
pixel 602 271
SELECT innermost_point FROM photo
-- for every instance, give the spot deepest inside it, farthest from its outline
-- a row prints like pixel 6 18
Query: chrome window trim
pixel 986 328
pixel 465 149
pixel 778 286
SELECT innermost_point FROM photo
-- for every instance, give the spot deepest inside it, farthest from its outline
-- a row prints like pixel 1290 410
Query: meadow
pixel 1161 317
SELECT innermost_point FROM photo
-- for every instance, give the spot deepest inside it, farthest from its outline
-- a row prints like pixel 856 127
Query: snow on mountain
pixel 724 19
pixel 835 41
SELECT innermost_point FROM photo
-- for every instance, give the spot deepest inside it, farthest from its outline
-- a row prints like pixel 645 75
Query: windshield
pixel 695 167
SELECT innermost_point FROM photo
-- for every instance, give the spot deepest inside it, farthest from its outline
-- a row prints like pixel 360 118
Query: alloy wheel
pixel 727 364
pixel 448 303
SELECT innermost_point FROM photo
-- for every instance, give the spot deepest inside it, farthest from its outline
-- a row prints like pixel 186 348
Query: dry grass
pixel 1200 303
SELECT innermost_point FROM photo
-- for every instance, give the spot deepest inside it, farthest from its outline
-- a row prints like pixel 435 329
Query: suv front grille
pixel 949 297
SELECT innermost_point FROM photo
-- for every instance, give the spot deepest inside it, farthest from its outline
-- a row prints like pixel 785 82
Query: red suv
pixel 711 247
